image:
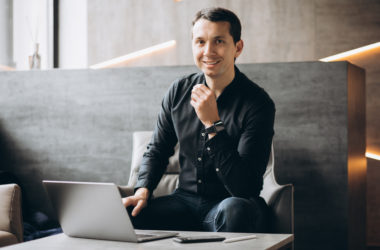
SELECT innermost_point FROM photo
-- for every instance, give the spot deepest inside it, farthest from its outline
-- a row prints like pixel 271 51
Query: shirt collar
pixel 232 86
pixel 229 86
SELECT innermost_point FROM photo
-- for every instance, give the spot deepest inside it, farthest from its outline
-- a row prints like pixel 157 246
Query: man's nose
pixel 208 49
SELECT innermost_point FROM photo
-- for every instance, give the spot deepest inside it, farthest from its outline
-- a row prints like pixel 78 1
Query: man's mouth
pixel 211 62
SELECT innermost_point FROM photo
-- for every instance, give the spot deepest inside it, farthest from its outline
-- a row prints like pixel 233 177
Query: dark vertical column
pixel 373 202
pixel 56 33
pixel 357 163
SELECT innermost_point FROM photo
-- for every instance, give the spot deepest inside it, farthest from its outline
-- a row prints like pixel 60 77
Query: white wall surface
pixel 30 26
pixel 6 36
pixel 73 33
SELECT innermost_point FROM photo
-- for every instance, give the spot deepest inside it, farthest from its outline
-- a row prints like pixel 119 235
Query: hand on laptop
pixel 139 200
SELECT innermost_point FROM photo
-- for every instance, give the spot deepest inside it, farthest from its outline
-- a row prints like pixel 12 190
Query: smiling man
pixel 224 125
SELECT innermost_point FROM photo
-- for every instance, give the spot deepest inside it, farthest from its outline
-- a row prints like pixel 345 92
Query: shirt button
pixel 203 134
pixel 208 148
pixel 199 181
pixel 199 159
pixel 217 169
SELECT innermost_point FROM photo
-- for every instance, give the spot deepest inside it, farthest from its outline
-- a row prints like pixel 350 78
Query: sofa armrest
pixel 283 211
pixel 10 210
pixel 7 239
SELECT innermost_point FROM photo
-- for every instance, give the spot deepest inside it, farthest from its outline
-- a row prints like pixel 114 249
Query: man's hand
pixel 139 200
pixel 204 102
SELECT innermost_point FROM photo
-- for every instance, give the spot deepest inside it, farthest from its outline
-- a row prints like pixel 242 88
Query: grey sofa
pixel 77 125
pixel 278 197
pixel 11 229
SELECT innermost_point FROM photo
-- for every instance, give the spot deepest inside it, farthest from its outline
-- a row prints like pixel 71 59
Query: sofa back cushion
pixel 169 180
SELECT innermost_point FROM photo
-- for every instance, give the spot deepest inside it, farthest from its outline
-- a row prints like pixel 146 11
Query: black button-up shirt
pixel 233 162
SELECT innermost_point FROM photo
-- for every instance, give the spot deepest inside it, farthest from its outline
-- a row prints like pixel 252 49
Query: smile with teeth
pixel 210 62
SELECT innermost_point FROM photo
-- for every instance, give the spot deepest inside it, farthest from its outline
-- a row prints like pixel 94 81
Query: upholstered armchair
pixel 278 197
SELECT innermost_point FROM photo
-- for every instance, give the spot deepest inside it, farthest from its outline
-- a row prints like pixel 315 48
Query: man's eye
pixel 219 41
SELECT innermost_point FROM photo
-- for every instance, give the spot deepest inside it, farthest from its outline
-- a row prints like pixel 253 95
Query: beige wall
pixel 273 31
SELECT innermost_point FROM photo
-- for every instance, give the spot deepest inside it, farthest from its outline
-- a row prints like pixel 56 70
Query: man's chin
pixel 210 73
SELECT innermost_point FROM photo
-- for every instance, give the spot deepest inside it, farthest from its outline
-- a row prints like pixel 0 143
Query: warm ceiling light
pixel 122 59
pixel 372 156
pixel 350 52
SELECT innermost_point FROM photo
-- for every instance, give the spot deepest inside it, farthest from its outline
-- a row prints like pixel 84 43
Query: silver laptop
pixel 95 210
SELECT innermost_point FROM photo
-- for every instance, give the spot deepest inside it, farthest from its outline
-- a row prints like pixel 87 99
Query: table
pixel 61 241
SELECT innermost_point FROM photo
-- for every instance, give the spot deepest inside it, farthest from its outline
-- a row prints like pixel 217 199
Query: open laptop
pixel 95 210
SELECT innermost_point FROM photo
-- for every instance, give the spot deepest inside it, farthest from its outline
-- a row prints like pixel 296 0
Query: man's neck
pixel 217 85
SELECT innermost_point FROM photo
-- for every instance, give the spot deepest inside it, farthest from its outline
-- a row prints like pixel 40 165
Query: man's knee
pixel 240 215
pixel 235 208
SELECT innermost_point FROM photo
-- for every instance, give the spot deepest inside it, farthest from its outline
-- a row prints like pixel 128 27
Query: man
pixel 224 125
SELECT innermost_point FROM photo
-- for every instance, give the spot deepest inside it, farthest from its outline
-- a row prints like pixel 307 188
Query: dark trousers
pixel 190 212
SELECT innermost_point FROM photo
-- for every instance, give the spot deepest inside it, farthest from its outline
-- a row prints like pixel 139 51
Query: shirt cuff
pixel 144 184
pixel 218 143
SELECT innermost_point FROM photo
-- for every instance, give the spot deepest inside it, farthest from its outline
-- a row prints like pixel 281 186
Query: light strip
pixel 7 68
pixel 372 156
pixel 133 55
pixel 350 52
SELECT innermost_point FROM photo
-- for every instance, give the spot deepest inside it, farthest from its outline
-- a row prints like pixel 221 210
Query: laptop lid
pixel 93 210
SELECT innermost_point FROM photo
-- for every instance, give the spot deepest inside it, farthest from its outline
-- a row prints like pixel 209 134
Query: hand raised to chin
pixel 204 102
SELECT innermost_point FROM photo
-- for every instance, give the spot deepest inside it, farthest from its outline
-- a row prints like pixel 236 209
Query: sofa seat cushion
pixel 7 239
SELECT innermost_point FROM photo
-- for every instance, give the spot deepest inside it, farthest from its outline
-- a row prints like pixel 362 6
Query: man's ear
pixel 239 48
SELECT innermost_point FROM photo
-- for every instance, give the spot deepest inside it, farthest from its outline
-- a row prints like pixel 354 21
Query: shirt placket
pixel 200 162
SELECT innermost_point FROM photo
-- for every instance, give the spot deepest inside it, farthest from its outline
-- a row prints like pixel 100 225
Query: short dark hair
pixel 221 15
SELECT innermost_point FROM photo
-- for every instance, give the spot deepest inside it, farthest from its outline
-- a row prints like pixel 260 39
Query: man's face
pixel 214 49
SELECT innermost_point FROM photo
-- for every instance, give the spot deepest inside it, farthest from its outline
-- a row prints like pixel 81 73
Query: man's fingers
pixel 140 205
pixel 204 90
pixel 196 95
pixel 201 88
pixel 129 201
pixel 202 94
pixel 193 103
pixel 126 201
pixel 196 86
